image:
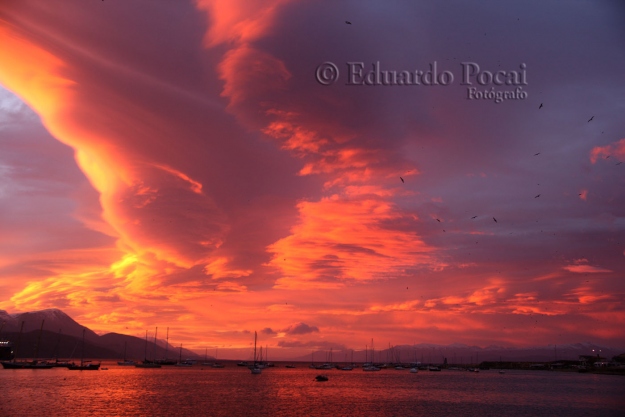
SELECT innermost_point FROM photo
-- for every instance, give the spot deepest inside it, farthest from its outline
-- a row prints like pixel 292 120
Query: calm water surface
pixel 233 391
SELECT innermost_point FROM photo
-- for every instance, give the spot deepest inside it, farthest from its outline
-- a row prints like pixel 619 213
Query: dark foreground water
pixel 233 391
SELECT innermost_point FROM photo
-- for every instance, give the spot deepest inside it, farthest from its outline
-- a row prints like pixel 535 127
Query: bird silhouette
pixel 348 22
pixel 541 106
pixel 402 180
pixel 591 118
pixel 473 217
pixel 619 163
pixel 438 220
pixel 536 154
pixel 495 220
pixel 537 196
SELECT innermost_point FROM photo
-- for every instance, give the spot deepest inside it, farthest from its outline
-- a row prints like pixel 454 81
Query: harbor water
pixel 279 391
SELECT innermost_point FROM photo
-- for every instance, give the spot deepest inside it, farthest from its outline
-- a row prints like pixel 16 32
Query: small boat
pixel 84 365
pixel 321 378
pixel 413 370
pixel 61 364
pixel 290 366
pixel 26 365
pixel 146 363
pixel 346 368
pixel 126 362
pixel 502 372
pixel 434 368
pixel 255 368
pixel 164 361
pixel 181 362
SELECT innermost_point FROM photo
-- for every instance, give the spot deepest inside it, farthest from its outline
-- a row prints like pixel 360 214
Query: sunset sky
pixel 177 163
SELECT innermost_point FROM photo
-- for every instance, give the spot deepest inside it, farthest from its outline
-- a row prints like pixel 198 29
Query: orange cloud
pixel 581 266
pixel 339 240
pixel 238 20
pixel 616 150
pixel 218 268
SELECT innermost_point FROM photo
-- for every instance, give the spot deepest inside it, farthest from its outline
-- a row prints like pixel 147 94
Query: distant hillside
pixel 463 354
pixel 62 338
pixel 53 320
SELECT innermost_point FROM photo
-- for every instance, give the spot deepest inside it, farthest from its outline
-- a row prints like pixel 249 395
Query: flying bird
pixel 591 118
pixel 536 154
pixel 348 22
pixel 619 163
pixel 438 220
pixel 402 180
pixel 541 106
pixel 473 217
pixel 495 220
pixel 537 196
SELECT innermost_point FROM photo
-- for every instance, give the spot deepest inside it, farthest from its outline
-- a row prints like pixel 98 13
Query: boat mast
pixel 166 343
pixel 56 348
pixel 17 345
pixel 145 351
pixel 255 348
pixel 82 354
pixel 38 341
pixel 154 350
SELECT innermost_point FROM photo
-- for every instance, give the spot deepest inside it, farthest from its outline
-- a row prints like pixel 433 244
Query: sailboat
pixel 84 365
pixel 217 364
pixel 126 362
pixel 146 363
pixel 180 362
pixel 57 363
pixel 370 367
pixel 348 367
pixel 206 362
pixel 256 370
pixel 165 361
pixel 34 364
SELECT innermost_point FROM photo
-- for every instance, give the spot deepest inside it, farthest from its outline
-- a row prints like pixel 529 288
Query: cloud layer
pixel 179 163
